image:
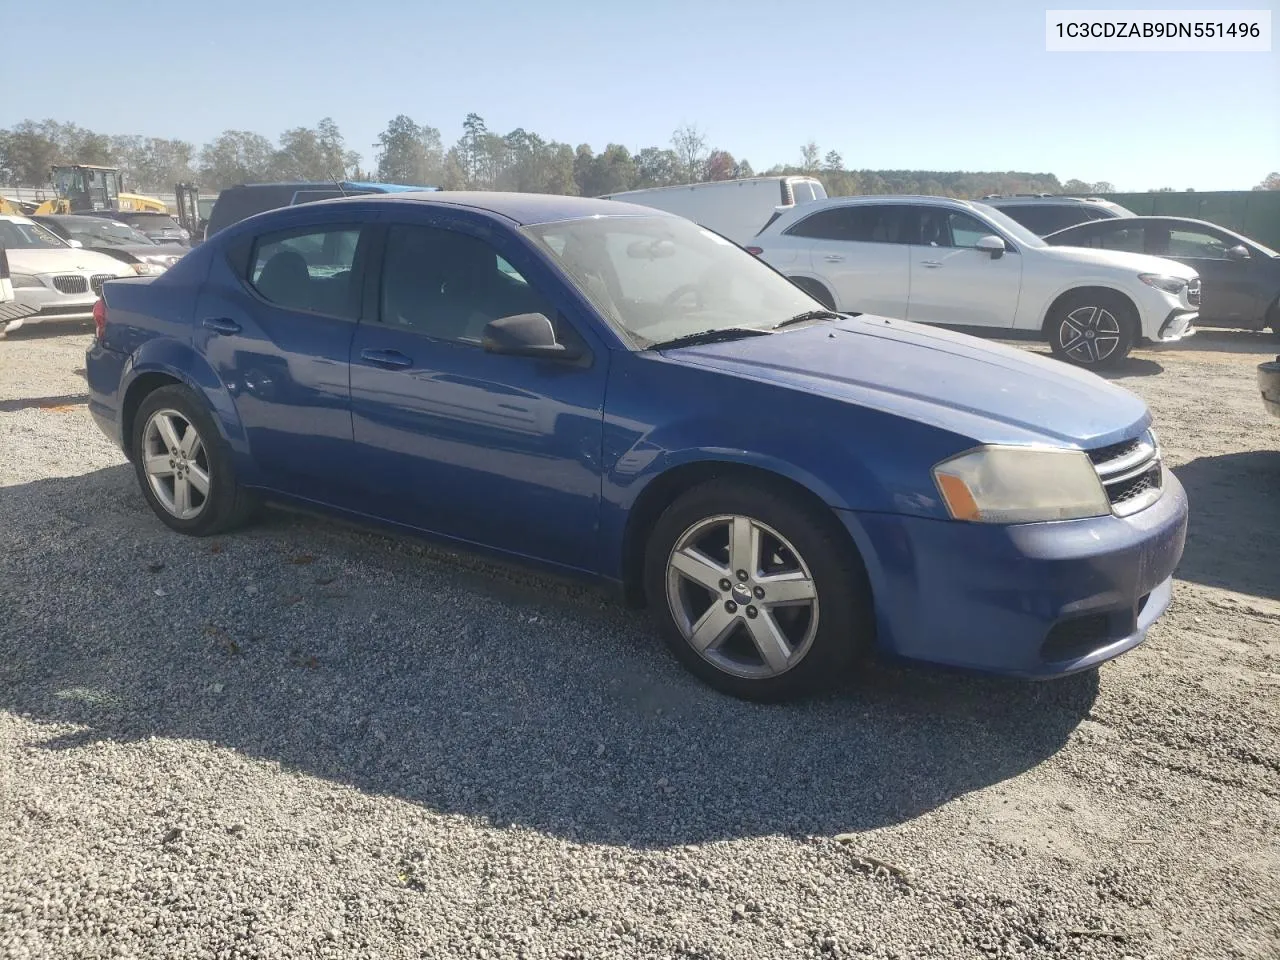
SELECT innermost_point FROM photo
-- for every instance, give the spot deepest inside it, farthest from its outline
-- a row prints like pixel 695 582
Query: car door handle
pixel 833 258
pixel 223 325
pixel 386 358
pixel 931 263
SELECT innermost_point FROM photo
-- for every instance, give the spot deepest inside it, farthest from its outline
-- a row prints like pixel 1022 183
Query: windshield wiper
pixel 717 335
pixel 807 315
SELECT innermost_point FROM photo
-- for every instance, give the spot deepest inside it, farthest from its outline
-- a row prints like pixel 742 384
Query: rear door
pixel 276 321
pixel 859 252
pixel 953 282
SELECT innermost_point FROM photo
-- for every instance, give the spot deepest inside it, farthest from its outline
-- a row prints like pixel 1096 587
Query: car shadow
pixel 1262 343
pixel 1233 533
pixel 46 403
pixel 462 686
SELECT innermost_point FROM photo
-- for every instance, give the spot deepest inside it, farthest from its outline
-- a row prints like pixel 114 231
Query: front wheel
pixel 759 596
pixel 183 465
pixel 1094 329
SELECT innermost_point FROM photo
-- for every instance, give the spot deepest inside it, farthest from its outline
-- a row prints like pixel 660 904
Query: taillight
pixel 99 319
pixel 754 251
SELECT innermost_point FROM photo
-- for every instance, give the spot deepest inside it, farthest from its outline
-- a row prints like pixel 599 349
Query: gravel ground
pixel 306 740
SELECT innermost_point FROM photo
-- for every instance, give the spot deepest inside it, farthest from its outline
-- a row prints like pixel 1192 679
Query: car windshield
pixel 152 221
pixel 108 233
pixel 27 235
pixel 661 278
pixel 1012 227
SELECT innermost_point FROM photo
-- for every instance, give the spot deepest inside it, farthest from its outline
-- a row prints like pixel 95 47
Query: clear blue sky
pixel 924 84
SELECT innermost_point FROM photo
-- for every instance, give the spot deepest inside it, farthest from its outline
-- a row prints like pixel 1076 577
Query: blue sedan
pixel 608 390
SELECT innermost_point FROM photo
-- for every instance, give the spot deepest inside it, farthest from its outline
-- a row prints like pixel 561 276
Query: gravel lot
pixel 306 740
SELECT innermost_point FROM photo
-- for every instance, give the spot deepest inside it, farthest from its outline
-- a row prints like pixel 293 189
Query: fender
pixel 1076 284
pixel 180 361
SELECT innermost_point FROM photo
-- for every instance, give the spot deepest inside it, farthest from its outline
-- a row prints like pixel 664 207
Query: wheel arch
pixel 666 487
pixel 1075 290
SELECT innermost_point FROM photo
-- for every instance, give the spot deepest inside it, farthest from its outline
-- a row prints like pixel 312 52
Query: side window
pixel 308 270
pixel 1129 239
pixel 449 285
pixel 966 231
pixel 863 223
pixel 1195 244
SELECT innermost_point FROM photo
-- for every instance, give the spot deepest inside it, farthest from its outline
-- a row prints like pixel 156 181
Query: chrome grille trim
pixel 1132 473
pixel 98 279
pixel 1193 292
pixel 71 283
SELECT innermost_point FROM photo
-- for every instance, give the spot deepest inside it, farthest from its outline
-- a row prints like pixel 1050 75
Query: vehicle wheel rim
pixel 176 463
pixel 742 596
pixel 1089 334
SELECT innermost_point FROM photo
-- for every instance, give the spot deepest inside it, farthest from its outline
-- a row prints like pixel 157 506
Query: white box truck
pixel 737 209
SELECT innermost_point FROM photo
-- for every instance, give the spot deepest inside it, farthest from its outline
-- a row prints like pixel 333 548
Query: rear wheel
pixel 1092 328
pixel 815 289
pixel 759 595
pixel 183 465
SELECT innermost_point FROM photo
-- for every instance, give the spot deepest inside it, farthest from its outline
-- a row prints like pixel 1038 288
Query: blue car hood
pixel 985 391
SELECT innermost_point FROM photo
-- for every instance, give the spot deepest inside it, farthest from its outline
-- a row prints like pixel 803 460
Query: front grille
pixel 1131 472
pixel 71 283
pixel 1193 292
pixel 98 279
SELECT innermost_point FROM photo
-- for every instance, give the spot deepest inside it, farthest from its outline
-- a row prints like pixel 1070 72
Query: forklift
pixel 187 199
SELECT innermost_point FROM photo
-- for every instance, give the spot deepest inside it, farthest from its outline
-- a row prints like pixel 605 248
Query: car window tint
pixel 449 285
pixel 1047 218
pixel 966 231
pixel 1129 239
pixel 863 223
pixel 308 270
pixel 1186 243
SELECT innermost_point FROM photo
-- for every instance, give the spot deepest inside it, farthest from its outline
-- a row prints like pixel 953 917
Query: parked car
pixel 159 227
pixel 115 239
pixel 737 209
pixel 10 308
pixel 608 390
pixel 960 263
pixel 246 199
pixel 1269 384
pixel 1241 277
pixel 1043 214
pixel 51 278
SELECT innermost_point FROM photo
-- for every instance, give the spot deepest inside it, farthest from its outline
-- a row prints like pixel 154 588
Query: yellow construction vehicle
pixel 82 187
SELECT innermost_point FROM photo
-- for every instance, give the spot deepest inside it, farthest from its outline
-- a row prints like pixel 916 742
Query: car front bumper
pixel 48 304
pixel 1033 600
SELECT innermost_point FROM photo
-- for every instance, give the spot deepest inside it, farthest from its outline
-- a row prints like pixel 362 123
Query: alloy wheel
pixel 176 464
pixel 1089 334
pixel 742 596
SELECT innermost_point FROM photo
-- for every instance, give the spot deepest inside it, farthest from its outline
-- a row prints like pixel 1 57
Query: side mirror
pixel 75 243
pixel 1238 252
pixel 991 244
pixel 525 335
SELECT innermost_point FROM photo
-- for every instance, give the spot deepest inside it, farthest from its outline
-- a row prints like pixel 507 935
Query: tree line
pixel 481 159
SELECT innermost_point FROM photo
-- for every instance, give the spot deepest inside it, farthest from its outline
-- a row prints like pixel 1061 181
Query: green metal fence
pixel 1254 213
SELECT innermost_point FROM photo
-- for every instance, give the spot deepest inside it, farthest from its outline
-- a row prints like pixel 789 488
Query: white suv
pixel 960 263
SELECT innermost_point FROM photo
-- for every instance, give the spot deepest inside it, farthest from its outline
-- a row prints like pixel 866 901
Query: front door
pixel 1229 291
pixel 954 283
pixel 279 336
pixel 500 451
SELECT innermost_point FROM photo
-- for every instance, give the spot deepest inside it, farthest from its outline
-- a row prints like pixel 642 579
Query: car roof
pixel 996 201
pixel 1128 223
pixel 70 218
pixel 11 218
pixel 520 208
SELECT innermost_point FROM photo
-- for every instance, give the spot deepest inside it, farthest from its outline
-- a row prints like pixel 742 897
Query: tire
pixel 190 463
pixel 1094 329
pixel 815 289
pixel 825 635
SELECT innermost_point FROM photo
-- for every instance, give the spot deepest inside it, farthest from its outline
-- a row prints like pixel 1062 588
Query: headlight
pixel 24 280
pixel 146 269
pixel 1170 285
pixel 997 484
